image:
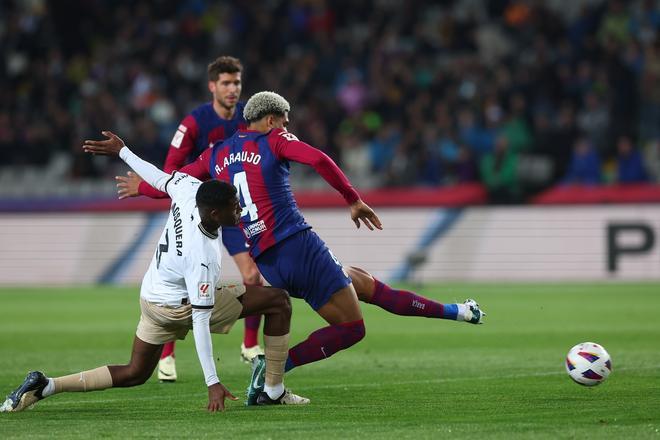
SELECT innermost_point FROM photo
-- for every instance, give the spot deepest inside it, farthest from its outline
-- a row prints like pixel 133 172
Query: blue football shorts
pixel 303 265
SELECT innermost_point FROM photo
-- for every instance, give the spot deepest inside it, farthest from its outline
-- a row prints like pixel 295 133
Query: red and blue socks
pixel 251 334
pixel 402 302
pixel 168 349
pixel 325 342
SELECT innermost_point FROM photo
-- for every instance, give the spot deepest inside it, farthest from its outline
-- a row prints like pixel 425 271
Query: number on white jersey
pixel 241 184
pixel 162 247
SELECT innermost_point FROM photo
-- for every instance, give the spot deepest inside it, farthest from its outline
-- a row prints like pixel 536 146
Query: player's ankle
pixel 275 391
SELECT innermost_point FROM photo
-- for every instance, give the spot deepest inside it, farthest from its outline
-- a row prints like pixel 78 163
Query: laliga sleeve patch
pixel 289 136
pixel 177 139
pixel 203 289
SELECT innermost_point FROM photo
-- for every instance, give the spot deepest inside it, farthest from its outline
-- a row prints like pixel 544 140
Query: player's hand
pixel 362 211
pixel 128 186
pixel 108 147
pixel 217 395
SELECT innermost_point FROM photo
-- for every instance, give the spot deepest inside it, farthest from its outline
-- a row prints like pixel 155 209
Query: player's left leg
pixel 37 386
pixel 403 302
pixel 251 277
pixel 342 312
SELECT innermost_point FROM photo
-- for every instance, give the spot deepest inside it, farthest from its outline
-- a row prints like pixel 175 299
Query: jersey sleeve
pixel 199 169
pixel 152 175
pixel 286 146
pixel 201 323
pixel 182 144
pixel 201 284
pixel 181 186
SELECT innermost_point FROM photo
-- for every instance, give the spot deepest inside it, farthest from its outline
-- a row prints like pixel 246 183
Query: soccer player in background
pixel 181 289
pixel 288 253
pixel 206 125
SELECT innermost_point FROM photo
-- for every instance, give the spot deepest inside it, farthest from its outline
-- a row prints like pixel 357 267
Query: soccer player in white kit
pixel 181 290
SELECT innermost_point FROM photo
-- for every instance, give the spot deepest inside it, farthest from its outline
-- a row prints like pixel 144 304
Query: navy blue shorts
pixel 304 266
pixel 234 240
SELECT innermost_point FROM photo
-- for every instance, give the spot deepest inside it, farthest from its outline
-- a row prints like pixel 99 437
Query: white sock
pixel 50 388
pixel 275 391
pixel 462 310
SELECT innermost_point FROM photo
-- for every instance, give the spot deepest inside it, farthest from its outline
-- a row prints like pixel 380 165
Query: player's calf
pixel 325 342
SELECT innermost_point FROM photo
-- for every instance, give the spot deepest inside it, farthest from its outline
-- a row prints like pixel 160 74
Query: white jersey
pixel 186 265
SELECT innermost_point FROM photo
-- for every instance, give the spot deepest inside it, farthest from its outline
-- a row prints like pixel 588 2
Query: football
pixel 588 364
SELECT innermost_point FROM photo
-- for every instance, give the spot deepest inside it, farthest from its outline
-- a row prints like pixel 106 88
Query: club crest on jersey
pixel 241 156
pixel 204 289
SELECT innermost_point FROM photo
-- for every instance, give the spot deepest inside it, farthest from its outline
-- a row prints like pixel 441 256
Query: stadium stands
pixel 507 93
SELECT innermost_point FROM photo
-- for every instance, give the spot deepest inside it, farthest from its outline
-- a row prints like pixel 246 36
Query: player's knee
pixel 356 331
pixel 283 302
pixel 363 282
pixel 137 376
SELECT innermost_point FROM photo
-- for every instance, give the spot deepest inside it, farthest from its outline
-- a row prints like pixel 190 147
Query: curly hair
pixel 265 103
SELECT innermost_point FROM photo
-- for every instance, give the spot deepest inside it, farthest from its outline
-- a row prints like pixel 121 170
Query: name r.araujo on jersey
pixel 241 156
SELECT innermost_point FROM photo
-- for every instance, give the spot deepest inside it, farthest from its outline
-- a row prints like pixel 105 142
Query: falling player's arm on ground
pixel 201 292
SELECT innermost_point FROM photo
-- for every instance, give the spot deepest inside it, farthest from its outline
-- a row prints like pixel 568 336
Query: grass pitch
pixel 410 378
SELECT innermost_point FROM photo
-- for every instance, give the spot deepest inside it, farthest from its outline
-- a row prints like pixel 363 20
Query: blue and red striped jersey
pixel 257 164
pixel 200 130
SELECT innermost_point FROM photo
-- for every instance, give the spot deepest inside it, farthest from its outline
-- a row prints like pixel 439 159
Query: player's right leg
pixel 405 303
pixel 305 266
pixel 37 386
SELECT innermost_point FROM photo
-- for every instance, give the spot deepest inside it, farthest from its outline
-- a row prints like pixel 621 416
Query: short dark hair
pixel 214 194
pixel 224 64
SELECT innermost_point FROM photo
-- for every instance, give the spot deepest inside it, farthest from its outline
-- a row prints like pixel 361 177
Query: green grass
pixel 410 378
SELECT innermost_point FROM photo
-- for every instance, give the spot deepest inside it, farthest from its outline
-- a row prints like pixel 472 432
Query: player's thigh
pixel 363 282
pixel 343 306
pixel 264 300
pixel 145 356
pixel 248 268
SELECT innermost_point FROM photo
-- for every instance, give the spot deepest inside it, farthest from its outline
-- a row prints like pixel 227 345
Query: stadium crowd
pixel 517 94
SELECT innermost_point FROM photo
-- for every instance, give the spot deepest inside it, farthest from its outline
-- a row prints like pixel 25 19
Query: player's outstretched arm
pixel 114 146
pixel 287 146
pixel 362 211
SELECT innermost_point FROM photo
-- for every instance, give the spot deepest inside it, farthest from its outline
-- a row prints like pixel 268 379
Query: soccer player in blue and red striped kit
pixel 288 253
pixel 206 125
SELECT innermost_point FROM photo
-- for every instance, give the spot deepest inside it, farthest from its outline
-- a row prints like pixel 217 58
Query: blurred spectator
pixel 499 173
pixel 594 121
pixel 652 159
pixel 630 168
pixel 428 89
pixel 584 167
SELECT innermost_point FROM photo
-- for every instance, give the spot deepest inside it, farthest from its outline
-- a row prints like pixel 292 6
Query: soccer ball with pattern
pixel 588 364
